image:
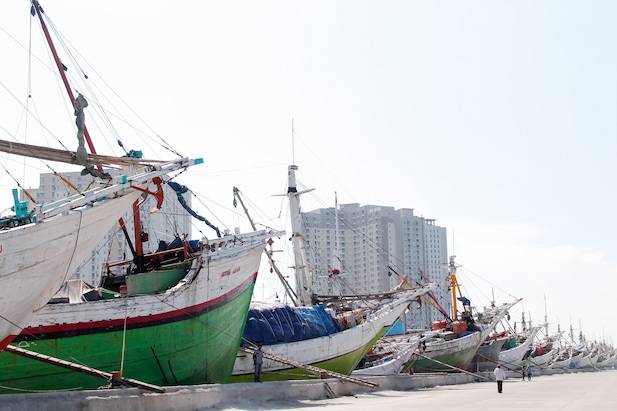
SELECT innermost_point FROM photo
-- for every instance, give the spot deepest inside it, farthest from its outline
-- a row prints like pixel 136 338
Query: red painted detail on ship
pixel 142 320
pixel 6 341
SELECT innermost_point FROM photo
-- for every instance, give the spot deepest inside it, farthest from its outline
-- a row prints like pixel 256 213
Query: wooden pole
pixel 81 368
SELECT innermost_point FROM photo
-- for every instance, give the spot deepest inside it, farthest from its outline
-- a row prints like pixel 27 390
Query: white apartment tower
pixel 374 242
pixel 171 220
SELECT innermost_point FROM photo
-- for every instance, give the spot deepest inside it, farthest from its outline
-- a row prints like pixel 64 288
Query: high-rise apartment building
pixel 375 242
pixel 171 220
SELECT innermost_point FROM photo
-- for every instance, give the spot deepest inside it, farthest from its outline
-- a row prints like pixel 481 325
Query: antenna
pixel 293 143
pixel 545 316
pixel 336 267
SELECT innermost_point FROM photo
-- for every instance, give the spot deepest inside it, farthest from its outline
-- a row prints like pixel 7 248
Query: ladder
pixel 315 370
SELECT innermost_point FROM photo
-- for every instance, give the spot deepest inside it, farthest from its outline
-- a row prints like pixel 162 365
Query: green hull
pixel 343 364
pixel 460 359
pixel 155 282
pixel 192 350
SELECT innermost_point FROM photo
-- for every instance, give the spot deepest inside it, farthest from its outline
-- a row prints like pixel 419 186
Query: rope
pixel 181 189
pixel 19 185
pixel 450 366
pixel 66 274
pixel 126 314
pixel 4 387
pixel 66 44
pixel 33 116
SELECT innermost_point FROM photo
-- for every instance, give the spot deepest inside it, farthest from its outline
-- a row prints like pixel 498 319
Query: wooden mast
pixel 453 286
pixel 138 249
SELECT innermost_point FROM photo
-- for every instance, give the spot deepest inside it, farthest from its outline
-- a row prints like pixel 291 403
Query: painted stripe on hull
pixel 82 328
pixel 6 341
pixel 189 351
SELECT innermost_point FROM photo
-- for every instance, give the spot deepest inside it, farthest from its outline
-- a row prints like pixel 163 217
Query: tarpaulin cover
pixel 274 325
pixel 397 328
pixel 193 245
pixel 180 189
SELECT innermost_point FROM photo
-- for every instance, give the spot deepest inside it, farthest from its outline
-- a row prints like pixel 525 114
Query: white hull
pixel 542 360
pixel 575 360
pixel 470 342
pixel 584 362
pixel 439 348
pixel 512 358
pixel 605 363
pixel 561 364
pixel 226 270
pixel 316 350
pixel 393 366
pixel 36 259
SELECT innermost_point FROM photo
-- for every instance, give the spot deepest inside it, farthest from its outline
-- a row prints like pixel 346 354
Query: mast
pixel 304 288
pixel 138 249
pixel 580 330
pixel 545 316
pixel 336 264
pixel 61 69
pixel 453 286
pixel 292 296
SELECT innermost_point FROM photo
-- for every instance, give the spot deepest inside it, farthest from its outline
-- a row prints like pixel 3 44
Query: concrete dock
pixel 564 390
pixel 567 392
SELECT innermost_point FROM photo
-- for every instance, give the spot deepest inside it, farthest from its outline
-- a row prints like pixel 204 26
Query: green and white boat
pixel 339 351
pixel 454 342
pixel 457 352
pixel 187 334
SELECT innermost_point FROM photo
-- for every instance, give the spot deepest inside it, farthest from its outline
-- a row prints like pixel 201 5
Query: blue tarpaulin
pixel 397 328
pixel 276 325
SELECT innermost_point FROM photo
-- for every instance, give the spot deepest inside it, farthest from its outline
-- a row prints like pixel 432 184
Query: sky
pixel 498 119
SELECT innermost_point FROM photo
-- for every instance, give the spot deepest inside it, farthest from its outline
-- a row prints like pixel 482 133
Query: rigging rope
pixel 181 189
pixel 66 44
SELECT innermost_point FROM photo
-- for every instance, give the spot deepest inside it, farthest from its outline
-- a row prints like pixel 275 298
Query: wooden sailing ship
pixel 339 351
pixel 174 317
pixel 43 245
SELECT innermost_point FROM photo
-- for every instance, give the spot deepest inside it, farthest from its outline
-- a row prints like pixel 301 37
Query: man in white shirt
pixel 500 375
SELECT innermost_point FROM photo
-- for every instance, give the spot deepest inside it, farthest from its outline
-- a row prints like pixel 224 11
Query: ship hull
pixel 456 353
pixel 340 352
pixel 188 335
pixel 513 358
pixel 342 364
pixel 542 360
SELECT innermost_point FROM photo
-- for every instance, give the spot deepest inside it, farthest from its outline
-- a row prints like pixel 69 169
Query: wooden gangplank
pixel 313 369
pixel 81 368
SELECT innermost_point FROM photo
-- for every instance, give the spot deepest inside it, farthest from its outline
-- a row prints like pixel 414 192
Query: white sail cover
pixel 35 259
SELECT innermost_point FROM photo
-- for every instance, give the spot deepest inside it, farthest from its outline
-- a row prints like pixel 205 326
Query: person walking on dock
pixel 528 373
pixel 500 375
pixel 258 359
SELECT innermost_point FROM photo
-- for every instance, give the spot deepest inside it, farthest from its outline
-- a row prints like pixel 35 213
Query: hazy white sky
pixel 497 118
